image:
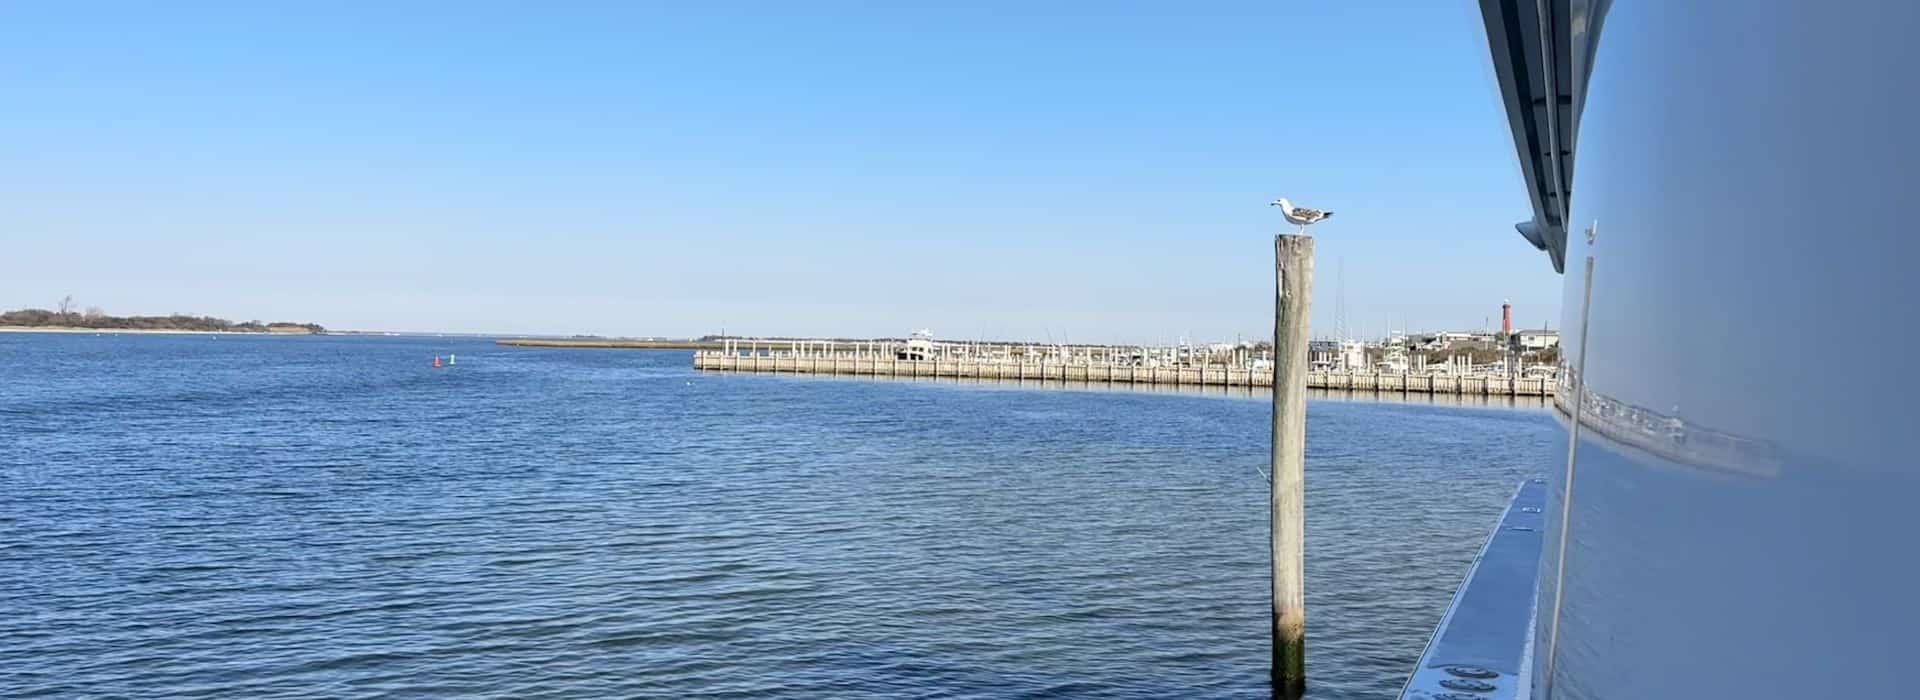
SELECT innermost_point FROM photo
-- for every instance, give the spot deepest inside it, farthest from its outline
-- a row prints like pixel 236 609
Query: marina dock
pixel 1092 366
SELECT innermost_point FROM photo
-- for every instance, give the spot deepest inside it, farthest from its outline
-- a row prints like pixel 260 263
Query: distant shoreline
pixel 141 331
pixel 631 343
pixel 93 320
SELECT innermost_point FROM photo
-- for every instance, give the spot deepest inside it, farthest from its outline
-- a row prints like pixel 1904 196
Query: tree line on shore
pixel 94 318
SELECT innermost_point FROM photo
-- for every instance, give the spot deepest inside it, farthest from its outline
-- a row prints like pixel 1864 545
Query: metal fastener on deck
pixel 1467 684
pixel 1472 672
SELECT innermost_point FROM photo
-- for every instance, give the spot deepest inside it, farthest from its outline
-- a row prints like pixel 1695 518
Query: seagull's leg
pixel 1303 230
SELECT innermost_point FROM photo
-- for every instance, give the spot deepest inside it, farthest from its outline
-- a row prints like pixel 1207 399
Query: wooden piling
pixel 1293 299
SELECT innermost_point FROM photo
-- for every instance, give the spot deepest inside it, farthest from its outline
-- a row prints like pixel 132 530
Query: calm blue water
pixel 275 517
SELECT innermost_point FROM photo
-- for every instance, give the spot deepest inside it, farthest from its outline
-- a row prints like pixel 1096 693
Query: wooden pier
pixel 1077 369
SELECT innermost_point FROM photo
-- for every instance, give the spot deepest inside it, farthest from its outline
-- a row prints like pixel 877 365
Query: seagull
pixel 1301 216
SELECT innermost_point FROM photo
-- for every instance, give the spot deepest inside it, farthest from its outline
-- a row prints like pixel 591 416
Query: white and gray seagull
pixel 1301 216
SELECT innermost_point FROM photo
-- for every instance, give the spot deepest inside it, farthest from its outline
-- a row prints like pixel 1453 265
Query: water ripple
pixel 298 517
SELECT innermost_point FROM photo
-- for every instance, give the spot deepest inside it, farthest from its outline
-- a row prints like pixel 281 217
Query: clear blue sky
pixel 1094 172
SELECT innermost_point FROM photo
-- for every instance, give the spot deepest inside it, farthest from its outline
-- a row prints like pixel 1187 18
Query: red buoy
pixel 436 360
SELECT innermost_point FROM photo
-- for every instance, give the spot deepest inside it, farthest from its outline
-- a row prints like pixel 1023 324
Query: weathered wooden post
pixel 1293 297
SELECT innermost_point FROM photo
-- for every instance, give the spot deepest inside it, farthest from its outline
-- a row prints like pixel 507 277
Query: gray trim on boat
pixel 1483 645
pixel 1542 54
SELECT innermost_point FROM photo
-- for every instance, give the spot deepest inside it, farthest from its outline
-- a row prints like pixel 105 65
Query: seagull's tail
pixel 1326 215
